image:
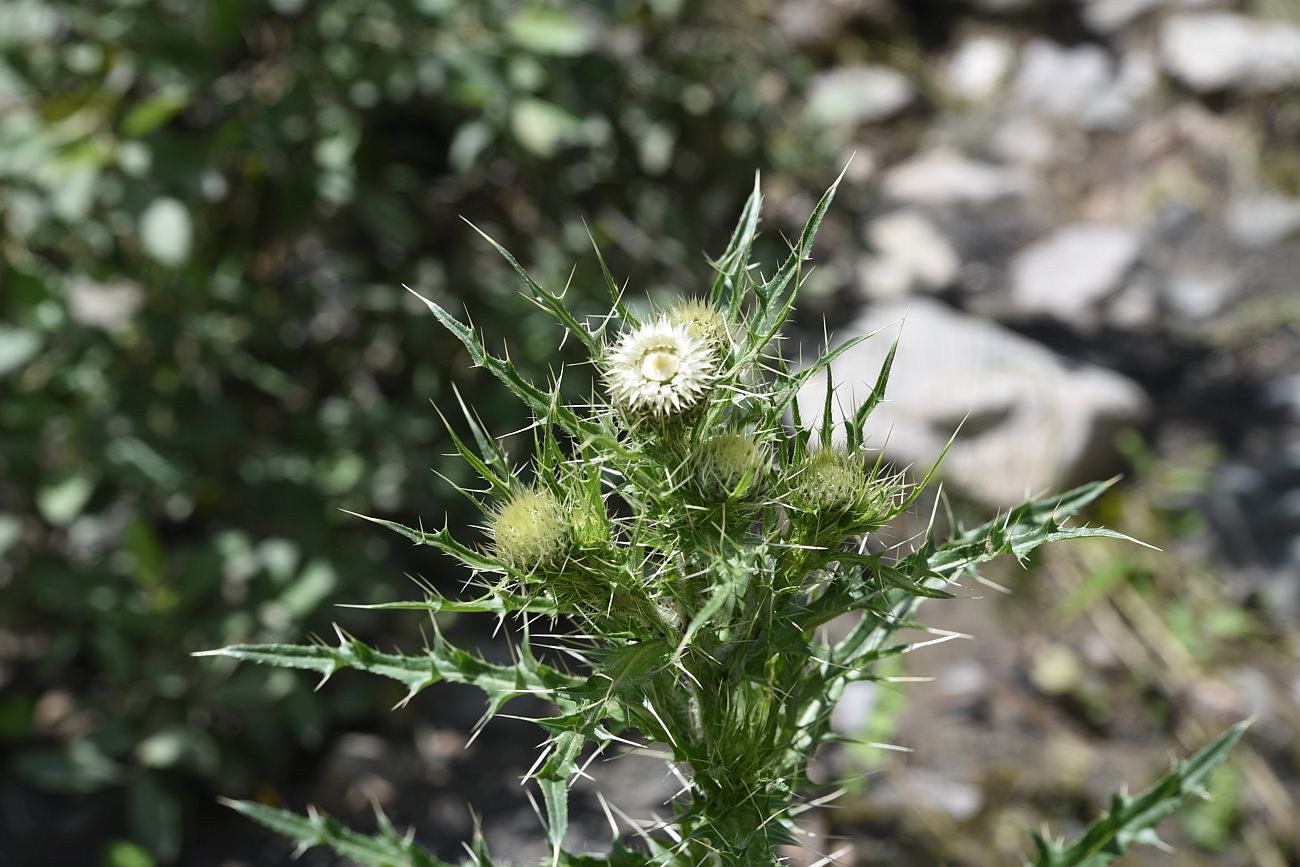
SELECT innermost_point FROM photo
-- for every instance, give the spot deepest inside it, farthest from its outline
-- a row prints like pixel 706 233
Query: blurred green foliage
pixel 204 352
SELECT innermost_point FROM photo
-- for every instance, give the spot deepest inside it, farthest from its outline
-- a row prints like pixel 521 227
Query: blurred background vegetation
pixel 205 353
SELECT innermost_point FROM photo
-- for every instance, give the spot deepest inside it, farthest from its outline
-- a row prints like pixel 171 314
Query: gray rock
pixel 1136 306
pixel 809 22
pixel 852 713
pixel 909 253
pixel 1212 51
pixel 1199 293
pixel 999 6
pixel 1133 88
pixel 1068 273
pixel 963 679
pixel 943 177
pixel 960 800
pixel 1111 16
pixel 1025 140
pixel 1254 511
pixel 979 67
pixel 1259 222
pixel 1061 83
pixel 1033 422
pixel 858 94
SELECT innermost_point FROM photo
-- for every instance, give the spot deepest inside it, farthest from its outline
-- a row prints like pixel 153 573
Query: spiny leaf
pixel 488 469
pixel 774 297
pixel 439 662
pixel 615 292
pixel 440 539
pixel 547 300
pixel 1132 820
pixel 492 603
pixel 543 405
pixel 385 849
pixel 619 857
pixel 732 263
pixel 1022 530
pixel 854 428
pixel 553 779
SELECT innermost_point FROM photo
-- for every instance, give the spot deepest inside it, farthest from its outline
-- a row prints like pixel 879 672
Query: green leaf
pixel 440 539
pixel 553 779
pixel 153 112
pixel 619 857
pixel 547 300
pixel 542 127
pixel 492 603
pixel 545 407
pixel 551 31
pixel 1132 819
pixel 123 853
pixel 731 264
pixel 854 428
pixel 440 661
pixel 776 297
pixel 1022 530
pixel 154 816
pixel 385 849
pixel 61 502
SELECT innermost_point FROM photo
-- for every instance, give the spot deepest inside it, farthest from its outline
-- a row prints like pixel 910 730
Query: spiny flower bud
pixel 830 481
pixel 531 531
pixel 726 461
pixel 660 368
pixel 702 322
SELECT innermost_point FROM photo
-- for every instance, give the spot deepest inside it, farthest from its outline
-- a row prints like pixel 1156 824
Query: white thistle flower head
pixel 660 368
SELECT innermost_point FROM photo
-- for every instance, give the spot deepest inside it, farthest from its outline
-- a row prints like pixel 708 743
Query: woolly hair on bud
pixel 702 322
pixel 830 481
pixel 660 369
pixel 725 461
pixel 531 531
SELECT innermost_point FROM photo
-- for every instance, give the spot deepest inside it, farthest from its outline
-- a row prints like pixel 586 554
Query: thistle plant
pixel 694 533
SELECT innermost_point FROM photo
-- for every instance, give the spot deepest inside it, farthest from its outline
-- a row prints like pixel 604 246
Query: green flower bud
pixel 729 462
pixel 702 322
pixel 830 482
pixel 531 531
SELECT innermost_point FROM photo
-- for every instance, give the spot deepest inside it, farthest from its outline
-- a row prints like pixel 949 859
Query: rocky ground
pixel 1086 222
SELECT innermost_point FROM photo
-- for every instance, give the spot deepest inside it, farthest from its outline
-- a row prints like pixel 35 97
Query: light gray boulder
pixel 1034 422
pixel 1211 51
pixel 1062 83
pixel 1070 272
pixel 850 95
pixel 1259 222
pixel 1112 16
pixel 944 177
pixel 979 67
pixel 908 253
